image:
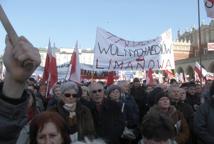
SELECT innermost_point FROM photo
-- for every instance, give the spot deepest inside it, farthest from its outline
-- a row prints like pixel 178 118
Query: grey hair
pixel 94 83
pixel 69 85
pixel 122 82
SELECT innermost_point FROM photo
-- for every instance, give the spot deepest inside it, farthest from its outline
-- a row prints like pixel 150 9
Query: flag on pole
pixel 74 69
pixel 110 78
pixel 170 73
pixel 197 78
pixel 209 6
pixel 50 75
pixel 211 1
pixel 200 70
pixel 149 80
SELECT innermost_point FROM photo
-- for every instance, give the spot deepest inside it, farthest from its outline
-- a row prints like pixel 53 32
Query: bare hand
pixel 14 57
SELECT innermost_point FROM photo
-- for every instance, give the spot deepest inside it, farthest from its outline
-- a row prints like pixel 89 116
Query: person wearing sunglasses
pixel 108 119
pixel 77 116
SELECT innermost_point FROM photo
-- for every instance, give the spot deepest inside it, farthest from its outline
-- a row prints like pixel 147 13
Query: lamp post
pixel 199 41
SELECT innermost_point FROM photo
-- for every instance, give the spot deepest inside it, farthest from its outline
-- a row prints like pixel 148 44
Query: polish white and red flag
pixel 50 75
pixel 170 74
pixel 74 68
pixel 110 78
pixel 200 70
pixel 149 79
pixel 209 6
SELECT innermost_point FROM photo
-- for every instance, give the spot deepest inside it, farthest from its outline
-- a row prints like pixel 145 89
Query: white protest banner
pixel 114 53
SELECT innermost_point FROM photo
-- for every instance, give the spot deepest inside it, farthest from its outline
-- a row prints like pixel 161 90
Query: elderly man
pixel 203 120
pixel 108 118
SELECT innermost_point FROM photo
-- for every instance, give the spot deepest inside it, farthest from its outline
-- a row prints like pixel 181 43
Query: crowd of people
pixel 93 112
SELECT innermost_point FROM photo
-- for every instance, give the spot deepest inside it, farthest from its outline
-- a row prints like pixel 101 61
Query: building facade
pixel 186 65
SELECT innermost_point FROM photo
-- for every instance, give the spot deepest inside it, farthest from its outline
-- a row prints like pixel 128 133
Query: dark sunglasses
pixel 95 91
pixel 69 95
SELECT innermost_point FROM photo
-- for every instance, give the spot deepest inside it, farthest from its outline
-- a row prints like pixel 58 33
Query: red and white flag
pixel 209 6
pixel 149 79
pixel 200 70
pixel 74 68
pixel 110 78
pixel 170 74
pixel 50 75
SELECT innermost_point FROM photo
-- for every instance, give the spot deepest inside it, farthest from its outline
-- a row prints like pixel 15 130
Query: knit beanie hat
pixel 112 88
pixel 158 93
pixel 136 80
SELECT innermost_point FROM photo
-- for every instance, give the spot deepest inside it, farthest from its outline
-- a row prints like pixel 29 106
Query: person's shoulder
pixel 154 109
pixel 186 107
pixel 172 142
pixel 81 108
pixel 204 108
pixel 111 105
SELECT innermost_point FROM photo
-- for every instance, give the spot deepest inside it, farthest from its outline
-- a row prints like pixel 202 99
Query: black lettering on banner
pixel 126 43
pixel 139 52
pixel 151 64
pixel 155 50
pixel 166 50
pixel 141 65
pixel 117 65
pixel 209 4
pixel 103 50
pixel 168 64
pixel 118 40
pixel 129 65
pixel 109 64
pixel 111 35
pixel 160 66
pixel 97 65
pixel 113 49
pixel 118 53
pixel 129 52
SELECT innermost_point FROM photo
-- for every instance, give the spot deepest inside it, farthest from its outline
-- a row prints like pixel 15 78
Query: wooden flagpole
pixel 12 34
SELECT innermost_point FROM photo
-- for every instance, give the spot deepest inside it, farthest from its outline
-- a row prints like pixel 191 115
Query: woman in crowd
pixel 77 116
pixel 49 127
pixel 156 128
pixel 55 96
pixel 162 105
pixel 85 98
pixel 114 93
pixel 85 93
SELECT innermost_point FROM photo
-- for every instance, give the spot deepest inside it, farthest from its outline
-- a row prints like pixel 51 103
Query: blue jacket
pixel 203 122
pixel 131 111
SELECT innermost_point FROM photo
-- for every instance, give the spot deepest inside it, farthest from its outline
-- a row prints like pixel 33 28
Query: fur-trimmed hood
pixel 170 112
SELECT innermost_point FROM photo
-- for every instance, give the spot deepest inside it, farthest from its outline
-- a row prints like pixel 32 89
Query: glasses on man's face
pixel 69 95
pixel 95 91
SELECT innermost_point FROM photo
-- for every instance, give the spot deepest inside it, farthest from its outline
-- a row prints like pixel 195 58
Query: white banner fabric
pixel 114 53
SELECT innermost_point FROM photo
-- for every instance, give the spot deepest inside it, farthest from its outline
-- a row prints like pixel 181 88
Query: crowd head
pixel 49 127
